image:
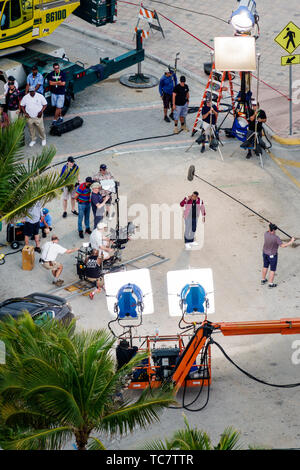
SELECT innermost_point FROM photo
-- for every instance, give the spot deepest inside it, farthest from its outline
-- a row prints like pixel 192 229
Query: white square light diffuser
pixel 140 277
pixel 108 185
pixel 235 54
pixel 177 280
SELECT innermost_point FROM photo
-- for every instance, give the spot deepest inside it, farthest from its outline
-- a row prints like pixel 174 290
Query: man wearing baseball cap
pixel 69 169
pixel 99 241
pixel 257 117
pixel 83 197
pixel 104 174
pixel 270 254
pixel 32 106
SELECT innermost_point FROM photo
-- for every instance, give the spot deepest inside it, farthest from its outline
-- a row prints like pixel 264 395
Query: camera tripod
pixel 214 140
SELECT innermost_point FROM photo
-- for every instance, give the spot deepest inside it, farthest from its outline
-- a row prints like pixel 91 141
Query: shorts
pixel 95 279
pixel 31 229
pixel 270 260
pixel 206 125
pixel 67 193
pixel 167 100
pixel 53 266
pixel 180 111
pixel 57 101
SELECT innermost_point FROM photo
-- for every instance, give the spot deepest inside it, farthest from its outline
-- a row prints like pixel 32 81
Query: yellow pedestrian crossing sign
pixel 290 59
pixel 289 38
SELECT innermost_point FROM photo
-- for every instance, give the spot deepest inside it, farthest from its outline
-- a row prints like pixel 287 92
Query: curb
pixel 286 140
pixel 290 141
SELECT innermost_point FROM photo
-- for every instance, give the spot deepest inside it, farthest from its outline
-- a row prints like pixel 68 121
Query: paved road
pixel 153 172
pixel 177 22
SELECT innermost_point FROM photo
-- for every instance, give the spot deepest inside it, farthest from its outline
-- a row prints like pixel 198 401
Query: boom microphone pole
pixel 191 175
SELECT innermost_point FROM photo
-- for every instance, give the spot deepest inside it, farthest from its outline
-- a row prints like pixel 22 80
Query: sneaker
pixel 32 143
pixel 54 122
pixel 60 120
pixel 184 128
pixel 75 212
pixel 64 215
pixel 92 295
pixel 37 249
pixel 176 130
pixel 44 142
pixel 272 285
pixel 202 149
pixel 194 244
pixel 188 246
pixel 263 282
pixel 87 230
pixel 248 155
pixel 81 234
pixel 58 283
pixel 167 119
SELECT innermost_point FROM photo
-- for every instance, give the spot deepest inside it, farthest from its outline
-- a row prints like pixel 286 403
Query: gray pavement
pixel 177 23
pixel 153 172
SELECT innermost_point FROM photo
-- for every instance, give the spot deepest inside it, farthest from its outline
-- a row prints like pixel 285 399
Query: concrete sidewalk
pixel 273 87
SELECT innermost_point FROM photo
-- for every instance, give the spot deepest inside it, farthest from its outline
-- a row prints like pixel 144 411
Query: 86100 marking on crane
pixel 56 16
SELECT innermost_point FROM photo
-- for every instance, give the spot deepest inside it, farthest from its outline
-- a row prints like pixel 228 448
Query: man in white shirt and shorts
pixel 48 258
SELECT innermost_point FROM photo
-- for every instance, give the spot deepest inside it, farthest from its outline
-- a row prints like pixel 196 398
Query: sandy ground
pixel 154 172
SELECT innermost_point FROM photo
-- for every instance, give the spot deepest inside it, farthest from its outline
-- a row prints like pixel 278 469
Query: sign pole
pixel 291 100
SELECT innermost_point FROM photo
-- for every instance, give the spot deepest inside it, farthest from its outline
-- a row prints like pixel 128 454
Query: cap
pixel 182 78
pixel 95 185
pixel 32 88
pixel 71 160
pixel 103 167
pixel 101 225
pixel 254 102
pixel 89 180
pixel 45 210
pixel 11 78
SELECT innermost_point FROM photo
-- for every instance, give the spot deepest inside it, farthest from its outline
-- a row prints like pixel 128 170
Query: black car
pixel 42 307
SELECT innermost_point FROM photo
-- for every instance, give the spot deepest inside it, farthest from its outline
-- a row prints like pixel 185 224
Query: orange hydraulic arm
pixel 284 326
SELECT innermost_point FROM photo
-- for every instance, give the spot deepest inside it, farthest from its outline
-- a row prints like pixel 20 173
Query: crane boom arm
pixel 284 326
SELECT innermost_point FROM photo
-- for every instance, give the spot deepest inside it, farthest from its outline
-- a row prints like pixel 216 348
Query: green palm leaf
pixel 25 182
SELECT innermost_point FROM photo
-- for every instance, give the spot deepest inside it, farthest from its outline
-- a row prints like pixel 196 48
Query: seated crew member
pixel 48 258
pixel 209 119
pixel 100 242
pixel 93 271
pixel 257 118
pixel 124 353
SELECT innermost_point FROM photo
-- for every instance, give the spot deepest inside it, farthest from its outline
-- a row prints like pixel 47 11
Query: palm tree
pixel 22 184
pixel 58 385
pixel 195 439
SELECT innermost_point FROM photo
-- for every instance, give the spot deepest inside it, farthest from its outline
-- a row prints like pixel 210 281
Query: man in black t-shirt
pixel 209 118
pixel 57 82
pixel 93 271
pixel 255 122
pixel 180 101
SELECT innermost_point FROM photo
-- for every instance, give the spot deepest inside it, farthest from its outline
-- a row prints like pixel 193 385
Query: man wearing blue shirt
pixel 35 78
pixel 166 86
